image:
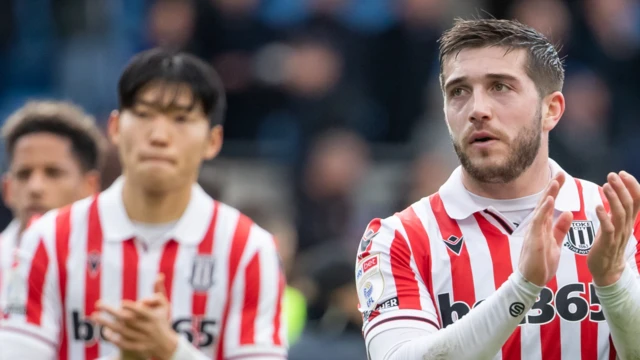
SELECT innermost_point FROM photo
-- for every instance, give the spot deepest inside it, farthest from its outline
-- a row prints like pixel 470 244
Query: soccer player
pixel 54 151
pixel 512 258
pixel 221 272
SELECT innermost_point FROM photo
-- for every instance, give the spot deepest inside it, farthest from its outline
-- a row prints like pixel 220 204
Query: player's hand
pixel 606 259
pixel 142 328
pixel 542 244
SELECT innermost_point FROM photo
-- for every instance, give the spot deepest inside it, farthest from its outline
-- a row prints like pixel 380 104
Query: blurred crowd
pixel 335 111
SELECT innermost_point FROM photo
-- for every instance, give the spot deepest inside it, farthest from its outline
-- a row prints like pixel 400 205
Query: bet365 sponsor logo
pixel 570 303
pixel 198 331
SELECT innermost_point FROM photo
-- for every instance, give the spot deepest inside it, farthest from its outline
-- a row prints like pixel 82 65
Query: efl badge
pixel 202 273
pixel 580 237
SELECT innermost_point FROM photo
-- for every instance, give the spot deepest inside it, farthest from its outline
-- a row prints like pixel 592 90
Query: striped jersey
pixel 430 264
pixel 8 242
pixel 222 276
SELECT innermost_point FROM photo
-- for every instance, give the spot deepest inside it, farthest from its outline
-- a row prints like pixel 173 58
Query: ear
pixel 552 109
pixel 6 190
pixel 113 127
pixel 91 183
pixel 214 145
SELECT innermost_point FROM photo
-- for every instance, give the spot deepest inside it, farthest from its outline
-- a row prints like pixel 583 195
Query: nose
pixel 160 132
pixel 36 184
pixel 481 107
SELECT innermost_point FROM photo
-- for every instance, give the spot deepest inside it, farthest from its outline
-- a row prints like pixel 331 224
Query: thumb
pixel 562 226
pixel 158 286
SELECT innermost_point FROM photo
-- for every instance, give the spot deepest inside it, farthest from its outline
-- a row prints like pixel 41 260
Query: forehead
pixel 478 62
pixel 171 96
pixel 42 147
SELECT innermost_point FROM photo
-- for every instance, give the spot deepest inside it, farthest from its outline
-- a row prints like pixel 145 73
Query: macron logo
pixel 454 243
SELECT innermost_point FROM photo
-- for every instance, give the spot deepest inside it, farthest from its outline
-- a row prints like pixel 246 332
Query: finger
pixel 634 190
pixel 158 286
pixel 552 189
pixel 618 214
pixel 542 213
pixel 119 328
pixel 116 313
pixel 607 228
pixel 560 177
pixel 625 197
pixel 138 309
pixel 562 226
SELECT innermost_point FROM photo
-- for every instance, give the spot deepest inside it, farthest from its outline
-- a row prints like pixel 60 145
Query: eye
pixel 181 118
pixel 457 92
pixel 500 87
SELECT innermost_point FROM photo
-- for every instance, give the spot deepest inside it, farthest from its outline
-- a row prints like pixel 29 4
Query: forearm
pixel 621 306
pixel 482 332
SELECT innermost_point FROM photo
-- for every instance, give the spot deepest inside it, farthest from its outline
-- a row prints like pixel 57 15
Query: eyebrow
pixel 491 76
pixel 157 105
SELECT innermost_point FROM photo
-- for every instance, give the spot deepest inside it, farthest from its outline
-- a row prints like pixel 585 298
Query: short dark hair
pixel 544 66
pixel 59 118
pixel 160 65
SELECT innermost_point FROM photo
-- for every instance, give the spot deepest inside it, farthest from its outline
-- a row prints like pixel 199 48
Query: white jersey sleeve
pixel 391 292
pixel 255 326
pixel 32 300
pixel 621 302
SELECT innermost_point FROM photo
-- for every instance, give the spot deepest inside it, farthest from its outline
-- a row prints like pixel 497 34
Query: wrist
pixel 169 347
pixel 606 280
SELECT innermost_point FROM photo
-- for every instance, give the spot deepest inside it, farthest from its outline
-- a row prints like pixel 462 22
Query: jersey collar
pixel 189 230
pixel 459 204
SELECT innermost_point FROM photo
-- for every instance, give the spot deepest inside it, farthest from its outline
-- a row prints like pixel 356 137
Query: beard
pixel 522 152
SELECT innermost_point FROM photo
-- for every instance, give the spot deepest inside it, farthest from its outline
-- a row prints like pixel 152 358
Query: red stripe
pixel 63 229
pixel 167 264
pixel 92 277
pixel 420 244
pixel 276 318
pixel 205 248
pixel 403 276
pixel 238 244
pixel 251 300
pixel 461 274
pixel 500 252
pixel 37 274
pixel 550 333
pixel 613 354
pixel 588 328
pixel 129 270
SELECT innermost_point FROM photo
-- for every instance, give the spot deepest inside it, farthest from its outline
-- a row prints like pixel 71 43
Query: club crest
pixel 202 273
pixel 580 237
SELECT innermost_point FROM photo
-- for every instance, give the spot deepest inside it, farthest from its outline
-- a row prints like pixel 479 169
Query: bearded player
pixel 512 258
pixel 220 271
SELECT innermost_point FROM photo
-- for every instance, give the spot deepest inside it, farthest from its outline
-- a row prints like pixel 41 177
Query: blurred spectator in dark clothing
pixel 580 142
pixel 335 166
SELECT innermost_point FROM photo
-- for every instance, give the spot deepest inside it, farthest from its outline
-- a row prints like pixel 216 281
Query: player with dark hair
pixel 54 152
pixel 101 277
pixel 512 258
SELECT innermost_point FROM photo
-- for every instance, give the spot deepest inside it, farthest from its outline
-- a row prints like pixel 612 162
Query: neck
pixel 531 181
pixel 154 208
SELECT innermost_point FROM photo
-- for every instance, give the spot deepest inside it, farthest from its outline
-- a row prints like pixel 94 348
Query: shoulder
pixel 380 233
pixel 242 228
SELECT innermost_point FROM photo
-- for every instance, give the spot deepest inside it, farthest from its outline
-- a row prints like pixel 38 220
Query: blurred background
pixel 335 113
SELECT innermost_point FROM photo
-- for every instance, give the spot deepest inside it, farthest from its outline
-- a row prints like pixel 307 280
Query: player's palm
pixel 542 244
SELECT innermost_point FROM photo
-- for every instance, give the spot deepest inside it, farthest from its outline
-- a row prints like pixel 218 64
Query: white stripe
pixel 440 264
pixel 111 285
pixel 567 274
pixel 76 276
pixel 269 275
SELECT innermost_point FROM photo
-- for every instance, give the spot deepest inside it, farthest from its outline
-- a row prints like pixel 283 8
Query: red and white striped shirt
pixel 8 242
pixel 222 276
pixel 427 266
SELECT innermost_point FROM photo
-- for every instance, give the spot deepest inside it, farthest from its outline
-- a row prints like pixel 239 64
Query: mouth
pixel 36 210
pixel 157 159
pixel 482 137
